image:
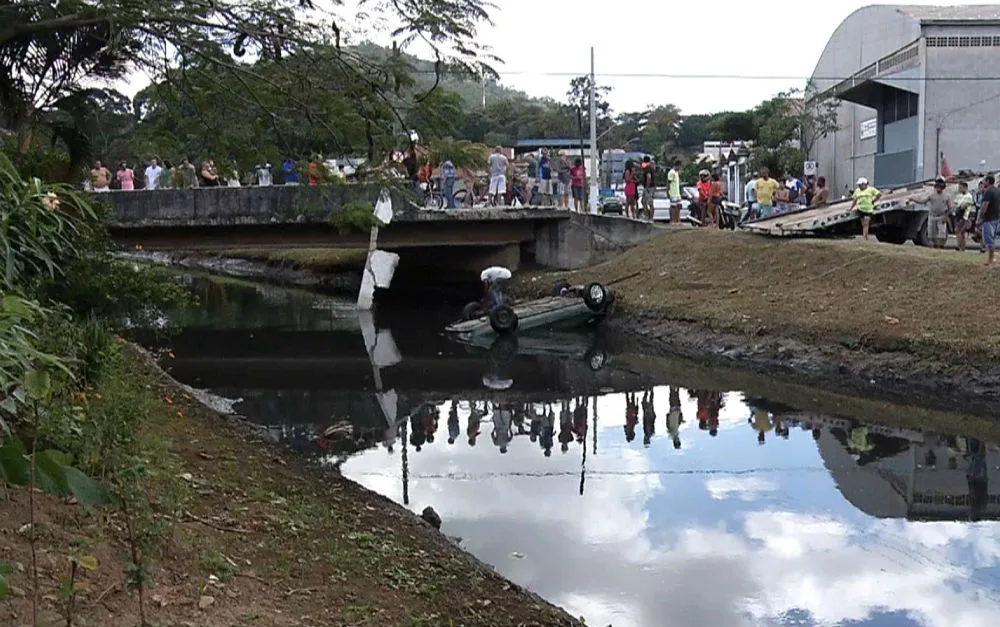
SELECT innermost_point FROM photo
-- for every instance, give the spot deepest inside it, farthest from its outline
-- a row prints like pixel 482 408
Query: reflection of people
pixel 648 418
pixel 475 417
pixel 675 417
pixel 548 431
pixel 501 427
pixel 389 438
pixel 565 426
pixel 977 477
pixel 453 427
pixel 417 434
pixel 761 421
pixel 631 415
pixel 535 429
pixel 580 420
pixel 430 422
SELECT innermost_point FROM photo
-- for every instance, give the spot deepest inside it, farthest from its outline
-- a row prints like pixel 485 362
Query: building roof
pixel 951 14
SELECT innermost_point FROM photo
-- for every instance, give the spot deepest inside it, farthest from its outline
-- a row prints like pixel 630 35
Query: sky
pixel 783 38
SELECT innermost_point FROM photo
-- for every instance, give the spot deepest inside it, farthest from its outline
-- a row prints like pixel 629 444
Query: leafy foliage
pixel 278 61
pixel 353 217
pixel 40 228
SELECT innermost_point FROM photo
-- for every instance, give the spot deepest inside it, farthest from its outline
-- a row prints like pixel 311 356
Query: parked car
pixel 661 207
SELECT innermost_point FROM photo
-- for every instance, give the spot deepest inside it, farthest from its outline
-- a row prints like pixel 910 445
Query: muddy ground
pixel 264 539
pixel 896 322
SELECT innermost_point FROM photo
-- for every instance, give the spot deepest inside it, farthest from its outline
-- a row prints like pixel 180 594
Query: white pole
pixel 594 186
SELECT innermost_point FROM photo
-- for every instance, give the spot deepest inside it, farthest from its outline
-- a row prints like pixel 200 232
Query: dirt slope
pixel 845 292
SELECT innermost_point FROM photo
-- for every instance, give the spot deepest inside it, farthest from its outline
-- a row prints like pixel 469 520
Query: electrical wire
pixel 760 77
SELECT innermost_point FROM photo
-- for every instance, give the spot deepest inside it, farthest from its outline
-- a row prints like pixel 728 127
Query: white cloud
pixel 745 488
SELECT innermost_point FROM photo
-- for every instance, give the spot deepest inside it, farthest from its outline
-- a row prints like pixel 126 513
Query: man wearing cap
pixel 864 200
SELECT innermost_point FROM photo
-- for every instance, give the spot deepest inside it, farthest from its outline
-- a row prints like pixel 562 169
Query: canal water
pixel 607 488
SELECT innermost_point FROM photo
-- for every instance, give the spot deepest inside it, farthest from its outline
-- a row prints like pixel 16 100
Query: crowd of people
pixel 560 424
pixel 185 175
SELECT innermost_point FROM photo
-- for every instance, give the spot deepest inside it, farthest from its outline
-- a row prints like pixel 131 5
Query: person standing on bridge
pixel 545 178
pixel 648 170
pixel 126 177
pixel 153 173
pixel 100 177
pixel 578 176
pixel 448 183
pixel 498 177
pixel 864 200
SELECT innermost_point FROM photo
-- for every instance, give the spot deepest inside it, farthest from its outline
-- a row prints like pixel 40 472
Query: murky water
pixel 611 491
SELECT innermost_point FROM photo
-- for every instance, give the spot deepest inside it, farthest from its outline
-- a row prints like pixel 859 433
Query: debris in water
pixel 517 555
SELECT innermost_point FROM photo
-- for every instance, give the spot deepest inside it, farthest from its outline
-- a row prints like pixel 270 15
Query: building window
pixel 962 42
pixel 898 104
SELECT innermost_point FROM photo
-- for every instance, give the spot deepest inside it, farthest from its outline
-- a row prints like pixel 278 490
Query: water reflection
pixel 620 495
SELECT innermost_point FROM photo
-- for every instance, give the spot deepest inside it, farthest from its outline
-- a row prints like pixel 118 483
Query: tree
pixel 49 50
pixel 578 96
pixel 789 125
pixel 734 126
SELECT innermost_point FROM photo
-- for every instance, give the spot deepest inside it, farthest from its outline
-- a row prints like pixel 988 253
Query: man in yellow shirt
pixel 864 199
pixel 765 188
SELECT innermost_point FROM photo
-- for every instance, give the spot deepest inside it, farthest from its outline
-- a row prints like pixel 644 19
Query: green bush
pixel 354 216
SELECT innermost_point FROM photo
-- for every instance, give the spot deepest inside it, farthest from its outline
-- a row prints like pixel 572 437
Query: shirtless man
pixel 100 177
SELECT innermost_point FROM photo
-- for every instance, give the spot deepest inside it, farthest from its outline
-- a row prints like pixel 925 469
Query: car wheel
pixel 559 287
pixel 503 319
pixel 595 296
pixel 503 350
pixel 596 359
pixel 472 311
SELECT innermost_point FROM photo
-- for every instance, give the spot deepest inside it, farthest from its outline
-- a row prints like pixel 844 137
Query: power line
pixel 759 77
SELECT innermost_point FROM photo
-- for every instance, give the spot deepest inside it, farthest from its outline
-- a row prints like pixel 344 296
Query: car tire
pixel 595 296
pixel 473 311
pixel 596 359
pixel 560 285
pixel 503 350
pixel 503 319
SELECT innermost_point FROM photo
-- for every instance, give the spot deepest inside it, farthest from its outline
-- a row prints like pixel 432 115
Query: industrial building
pixel 914 83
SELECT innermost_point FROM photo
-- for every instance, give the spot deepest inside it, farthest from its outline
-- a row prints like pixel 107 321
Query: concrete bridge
pixel 282 217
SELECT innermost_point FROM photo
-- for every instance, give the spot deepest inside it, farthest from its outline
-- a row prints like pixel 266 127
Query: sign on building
pixel 869 128
pixel 809 168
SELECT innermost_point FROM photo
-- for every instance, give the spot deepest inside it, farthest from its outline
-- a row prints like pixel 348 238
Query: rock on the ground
pixel 431 517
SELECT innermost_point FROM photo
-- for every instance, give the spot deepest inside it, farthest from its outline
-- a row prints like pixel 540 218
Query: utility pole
pixel 594 187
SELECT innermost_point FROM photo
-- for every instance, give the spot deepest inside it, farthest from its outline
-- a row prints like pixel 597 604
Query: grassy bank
pixel 239 533
pixel 836 292
pixel 318 260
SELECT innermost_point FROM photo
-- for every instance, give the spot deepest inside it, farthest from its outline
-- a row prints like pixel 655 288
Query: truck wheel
pixel 922 239
pixel 472 311
pixel 892 236
pixel 595 296
pixel 503 319
pixel 560 285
